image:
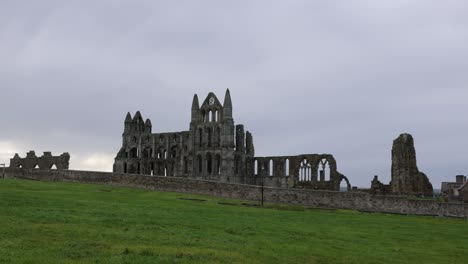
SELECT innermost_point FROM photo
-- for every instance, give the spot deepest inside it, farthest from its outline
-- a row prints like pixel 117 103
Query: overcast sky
pixel 339 77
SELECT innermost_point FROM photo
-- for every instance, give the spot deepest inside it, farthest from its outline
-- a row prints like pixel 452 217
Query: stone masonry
pixel 47 161
pixel 406 177
pixel 214 148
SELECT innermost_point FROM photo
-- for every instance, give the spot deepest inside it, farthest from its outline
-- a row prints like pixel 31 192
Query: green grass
pixel 44 222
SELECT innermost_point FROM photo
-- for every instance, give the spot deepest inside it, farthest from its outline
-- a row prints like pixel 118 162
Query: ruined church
pixel 214 148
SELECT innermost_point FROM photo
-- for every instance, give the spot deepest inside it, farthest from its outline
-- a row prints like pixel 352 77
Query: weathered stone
pixel 216 149
pixel 47 161
pixel 406 177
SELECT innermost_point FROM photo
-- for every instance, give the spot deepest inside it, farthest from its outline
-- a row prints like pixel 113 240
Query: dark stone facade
pixel 216 149
pixel 406 177
pixel 47 161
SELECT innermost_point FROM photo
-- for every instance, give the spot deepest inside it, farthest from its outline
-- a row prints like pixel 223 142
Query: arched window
pixel 125 167
pixel 200 136
pixel 147 153
pixel 216 116
pixel 209 163
pixel 185 165
pixel 134 153
pixel 165 170
pixel 211 116
pixel 323 170
pixel 305 171
pixel 256 167
pixel 209 136
pixel 138 168
pixel 165 154
pixel 270 168
pixel 218 135
pixel 286 167
pixel 53 167
pixel 218 164
pixel 200 164
pixel 204 116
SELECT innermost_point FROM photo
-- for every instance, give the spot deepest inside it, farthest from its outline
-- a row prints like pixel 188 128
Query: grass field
pixel 75 223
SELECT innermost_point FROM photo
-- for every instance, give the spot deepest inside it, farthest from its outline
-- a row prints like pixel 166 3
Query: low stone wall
pixel 310 198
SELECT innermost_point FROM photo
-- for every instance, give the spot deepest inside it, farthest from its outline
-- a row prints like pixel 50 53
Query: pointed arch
pixel 305 171
pixel 286 168
pixel 53 167
pixel 323 170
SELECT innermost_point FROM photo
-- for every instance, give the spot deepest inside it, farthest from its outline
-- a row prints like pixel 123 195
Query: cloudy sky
pixel 341 77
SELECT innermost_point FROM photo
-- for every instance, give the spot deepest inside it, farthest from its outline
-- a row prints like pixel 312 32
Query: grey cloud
pixel 340 77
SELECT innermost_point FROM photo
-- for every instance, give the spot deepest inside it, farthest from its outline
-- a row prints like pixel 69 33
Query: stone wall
pixel 309 198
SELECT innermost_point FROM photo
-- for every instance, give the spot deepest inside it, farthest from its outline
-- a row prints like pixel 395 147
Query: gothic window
pixel 217 116
pixel 218 164
pixel 305 171
pixel 53 167
pixel 147 153
pixel 323 170
pixel 209 163
pixel 270 168
pixel 218 135
pixel 209 136
pixel 286 167
pixel 200 136
pixel 185 165
pixel 134 153
pixel 256 167
pixel 165 154
pixel 211 116
pixel 125 167
pixel 200 164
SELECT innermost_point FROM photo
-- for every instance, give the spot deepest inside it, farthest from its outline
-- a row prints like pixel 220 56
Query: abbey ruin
pixel 217 157
pixel 214 148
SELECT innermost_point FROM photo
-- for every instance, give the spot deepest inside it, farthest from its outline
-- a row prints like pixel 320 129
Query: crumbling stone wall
pixel 46 161
pixel 406 177
pixel 308 171
pixel 309 198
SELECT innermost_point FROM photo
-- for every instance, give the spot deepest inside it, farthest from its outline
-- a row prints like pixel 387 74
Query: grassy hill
pixel 75 223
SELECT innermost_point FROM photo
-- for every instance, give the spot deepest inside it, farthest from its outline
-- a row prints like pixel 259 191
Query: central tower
pixel 212 129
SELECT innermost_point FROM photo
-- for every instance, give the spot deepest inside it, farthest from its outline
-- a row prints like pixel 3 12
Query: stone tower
pixel 210 150
pixel 406 177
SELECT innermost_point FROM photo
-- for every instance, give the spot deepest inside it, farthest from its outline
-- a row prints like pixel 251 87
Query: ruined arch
pixel 348 185
pixel 53 167
pixel 305 171
pixel 324 170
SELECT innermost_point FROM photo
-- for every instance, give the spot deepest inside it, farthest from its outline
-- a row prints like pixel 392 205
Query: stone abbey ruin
pixel 216 149
pixel 216 157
